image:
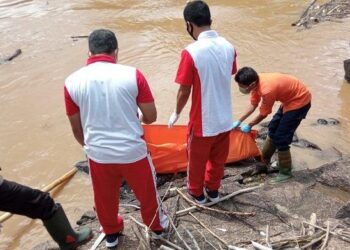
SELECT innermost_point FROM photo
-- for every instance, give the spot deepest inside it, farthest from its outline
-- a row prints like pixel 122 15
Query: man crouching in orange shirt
pixel 296 102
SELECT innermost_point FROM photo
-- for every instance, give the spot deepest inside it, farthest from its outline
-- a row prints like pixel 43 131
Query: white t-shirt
pixel 106 95
pixel 207 65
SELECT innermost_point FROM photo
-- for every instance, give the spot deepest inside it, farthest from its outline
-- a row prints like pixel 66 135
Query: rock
pixel 302 143
pixel 327 121
pixel 344 212
pixel 347 70
pixel 86 218
pixel 335 174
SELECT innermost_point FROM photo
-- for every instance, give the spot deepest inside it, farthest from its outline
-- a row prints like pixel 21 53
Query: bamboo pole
pixel 47 188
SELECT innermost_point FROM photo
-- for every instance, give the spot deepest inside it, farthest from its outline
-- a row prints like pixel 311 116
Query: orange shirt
pixel 288 90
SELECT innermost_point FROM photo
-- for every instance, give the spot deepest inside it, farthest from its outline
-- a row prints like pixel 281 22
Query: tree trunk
pixel 347 70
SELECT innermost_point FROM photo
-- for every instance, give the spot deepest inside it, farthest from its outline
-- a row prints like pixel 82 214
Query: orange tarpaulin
pixel 168 147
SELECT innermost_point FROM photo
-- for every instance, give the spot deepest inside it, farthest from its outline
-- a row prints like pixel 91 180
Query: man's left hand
pixel 173 118
pixel 246 128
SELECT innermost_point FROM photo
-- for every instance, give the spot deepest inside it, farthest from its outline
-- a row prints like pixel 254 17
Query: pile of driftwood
pixel 311 235
pixel 330 11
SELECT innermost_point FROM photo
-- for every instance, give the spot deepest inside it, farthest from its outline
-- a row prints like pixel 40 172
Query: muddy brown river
pixel 36 144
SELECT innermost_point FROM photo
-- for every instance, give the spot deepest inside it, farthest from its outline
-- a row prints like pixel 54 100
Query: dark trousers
pixel 282 126
pixel 18 199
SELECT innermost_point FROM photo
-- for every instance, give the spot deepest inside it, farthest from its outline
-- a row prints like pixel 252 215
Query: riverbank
pixel 284 208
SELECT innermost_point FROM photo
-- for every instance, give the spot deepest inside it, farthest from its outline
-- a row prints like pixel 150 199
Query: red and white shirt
pixel 207 65
pixel 106 94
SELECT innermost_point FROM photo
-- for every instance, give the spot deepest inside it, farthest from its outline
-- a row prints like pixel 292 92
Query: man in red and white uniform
pixel 206 68
pixel 102 101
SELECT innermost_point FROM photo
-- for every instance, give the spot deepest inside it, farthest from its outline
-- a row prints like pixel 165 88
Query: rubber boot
pixel 62 232
pixel 268 150
pixel 266 153
pixel 284 167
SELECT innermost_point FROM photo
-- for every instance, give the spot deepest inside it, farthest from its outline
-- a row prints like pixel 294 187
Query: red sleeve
pixel 144 91
pixel 234 66
pixel 71 107
pixel 185 72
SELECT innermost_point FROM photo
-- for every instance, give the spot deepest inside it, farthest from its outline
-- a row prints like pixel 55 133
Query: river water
pixel 36 144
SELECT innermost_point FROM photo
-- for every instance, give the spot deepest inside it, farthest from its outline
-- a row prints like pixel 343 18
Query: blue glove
pixel 236 124
pixel 246 128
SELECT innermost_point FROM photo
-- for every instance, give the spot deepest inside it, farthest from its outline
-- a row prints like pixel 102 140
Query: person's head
pixel 247 79
pixel 197 17
pixel 103 41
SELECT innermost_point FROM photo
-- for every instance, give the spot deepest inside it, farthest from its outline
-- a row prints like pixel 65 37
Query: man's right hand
pixel 236 124
pixel 173 119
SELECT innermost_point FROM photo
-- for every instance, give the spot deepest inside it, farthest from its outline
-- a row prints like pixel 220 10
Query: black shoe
pixel 159 234
pixel 199 199
pixel 112 240
pixel 212 195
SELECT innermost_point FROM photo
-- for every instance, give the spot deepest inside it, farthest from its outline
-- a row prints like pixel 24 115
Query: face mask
pixel 244 91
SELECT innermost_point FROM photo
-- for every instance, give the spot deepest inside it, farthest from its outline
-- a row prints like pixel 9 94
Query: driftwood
pixel 326 239
pixel 312 230
pixel 334 9
pixel 196 206
pixel 213 209
pixel 13 56
pixel 340 236
pixel 76 38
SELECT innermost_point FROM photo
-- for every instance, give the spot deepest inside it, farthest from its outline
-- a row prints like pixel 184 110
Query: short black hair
pixel 102 41
pixel 246 76
pixel 197 12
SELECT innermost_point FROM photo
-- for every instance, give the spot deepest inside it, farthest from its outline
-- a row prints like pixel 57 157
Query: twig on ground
pixel 344 238
pixel 142 240
pixel 211 232
pixel 311 229
pixel 236 248
pixel 130 205
pixel 259 246
pixel 161 203
pixel 161 239
pixel 268 236
pixel 206 206
pixel 296 240
pixel 171 244
pixel 192 238
pixel 174 217
pixel 302 231
pixel 178 234
pixel 326 239
pixel 162 247
pixel 205 238
pixel 314 241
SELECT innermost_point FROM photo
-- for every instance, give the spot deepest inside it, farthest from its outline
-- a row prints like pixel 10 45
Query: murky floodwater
pixel 36 144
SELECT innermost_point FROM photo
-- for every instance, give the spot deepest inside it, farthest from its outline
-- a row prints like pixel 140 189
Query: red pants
pixel 106 182
pixel 206 159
